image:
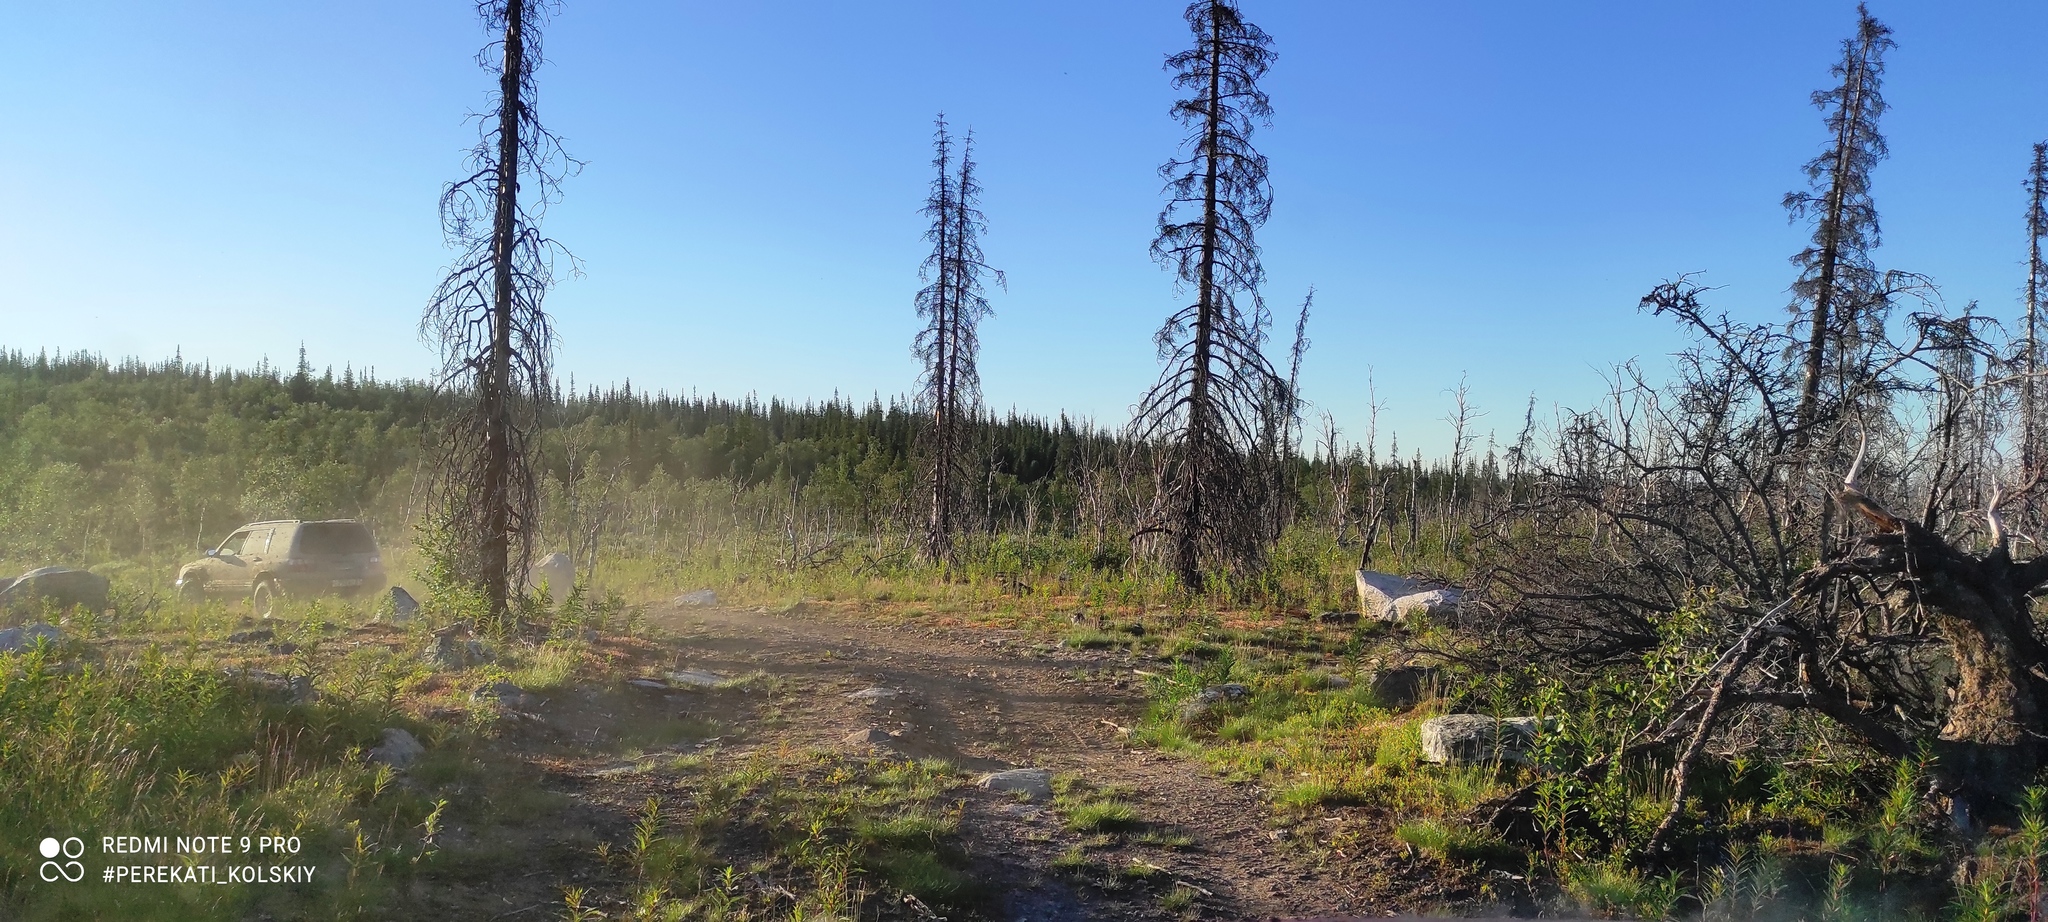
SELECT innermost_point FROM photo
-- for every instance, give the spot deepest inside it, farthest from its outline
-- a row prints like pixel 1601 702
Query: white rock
pixel 1434 604
pixel 555 571
pixel 699 598
pixel 877 693
pixel 1377 592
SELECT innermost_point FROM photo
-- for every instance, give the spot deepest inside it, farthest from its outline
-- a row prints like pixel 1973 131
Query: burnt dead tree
pixel 1836 274
pixel 495 340
pixel 1205 410
pixel 2033 455
pixel 953 305
pixel 1280 427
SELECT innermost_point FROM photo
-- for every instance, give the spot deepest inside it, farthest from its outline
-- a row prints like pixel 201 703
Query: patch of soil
pixel 983 699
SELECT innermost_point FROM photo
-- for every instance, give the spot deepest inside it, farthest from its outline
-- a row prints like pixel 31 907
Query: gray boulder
pixel 18 639
pixel 297 689
pixel 555 571
pixel 698 598
pixel 449 650
pixel 1473 739
pixel 398 750
pixel 870 738
pixel 1033 783
pixel 1329 681
pixel 1377 592
pixel 1406 686
pixel 403 607
pixel 873 695
pixel 1208 699
pixel 509 696
pixel 62 587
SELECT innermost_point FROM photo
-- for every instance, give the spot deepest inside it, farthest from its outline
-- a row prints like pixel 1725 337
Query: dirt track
pixel 991 699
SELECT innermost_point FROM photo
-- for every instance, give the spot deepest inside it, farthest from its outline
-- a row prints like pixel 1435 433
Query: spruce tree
pixel 495 340
pixel 1836 293
pixel 2031 453
pixel 1205 409
pixel 953 304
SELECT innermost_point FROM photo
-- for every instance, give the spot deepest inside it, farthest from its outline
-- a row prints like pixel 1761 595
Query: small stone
pixel 652 684
pixel 299 689
pixel 509 696
pixel 1405 686
pixel 448 651
pixel 17 639
pixel 1033 783
pixel 699 678
pixel 399 749
pixel 1210 698
pixel 872 695
pixel 869 737
pixel 698 598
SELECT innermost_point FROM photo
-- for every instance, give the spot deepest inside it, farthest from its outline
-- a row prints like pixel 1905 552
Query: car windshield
pixel 335 538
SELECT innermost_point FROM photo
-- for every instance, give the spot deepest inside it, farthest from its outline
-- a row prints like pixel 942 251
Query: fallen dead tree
pixel 1911 637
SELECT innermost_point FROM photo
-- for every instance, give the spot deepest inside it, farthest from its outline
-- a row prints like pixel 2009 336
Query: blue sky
pixel 1475 190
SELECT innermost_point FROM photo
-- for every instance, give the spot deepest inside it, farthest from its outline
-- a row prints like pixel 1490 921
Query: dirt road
pixel 990 699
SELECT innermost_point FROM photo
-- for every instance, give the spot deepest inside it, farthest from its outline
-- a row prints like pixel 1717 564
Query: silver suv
pixel 266 561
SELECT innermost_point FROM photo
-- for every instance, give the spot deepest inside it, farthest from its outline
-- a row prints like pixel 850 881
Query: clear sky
pixel 1474 189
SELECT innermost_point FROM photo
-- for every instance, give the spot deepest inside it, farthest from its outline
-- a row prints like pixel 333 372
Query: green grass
pixel 154 745
pixel 836 831
pixel 1087 808
pixel 1101 816
pixel 1096 640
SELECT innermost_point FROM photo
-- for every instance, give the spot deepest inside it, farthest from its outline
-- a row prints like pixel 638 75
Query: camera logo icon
pixel 53 870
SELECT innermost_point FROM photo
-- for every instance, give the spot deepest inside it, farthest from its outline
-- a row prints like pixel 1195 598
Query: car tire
pixel 191 591
pixel 264 599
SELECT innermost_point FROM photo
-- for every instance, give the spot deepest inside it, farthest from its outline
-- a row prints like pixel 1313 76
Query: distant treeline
pixel 132 460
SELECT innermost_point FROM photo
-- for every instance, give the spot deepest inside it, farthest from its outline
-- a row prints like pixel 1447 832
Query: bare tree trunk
pixel 496 388
pixel 2031 454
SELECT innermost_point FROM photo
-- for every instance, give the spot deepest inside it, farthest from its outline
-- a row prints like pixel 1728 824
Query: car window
pixel 259 542
pixel 334 538
pixel 232 547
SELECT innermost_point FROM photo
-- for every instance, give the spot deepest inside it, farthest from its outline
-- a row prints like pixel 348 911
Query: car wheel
pixel 265 597
pixel 192 591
